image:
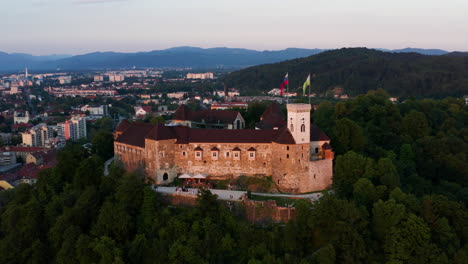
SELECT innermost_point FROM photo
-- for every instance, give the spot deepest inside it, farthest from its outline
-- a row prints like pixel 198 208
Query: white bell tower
pixel 299 122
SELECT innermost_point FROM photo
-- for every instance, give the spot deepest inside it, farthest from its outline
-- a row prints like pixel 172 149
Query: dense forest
pixel 359 70
pixel 400 194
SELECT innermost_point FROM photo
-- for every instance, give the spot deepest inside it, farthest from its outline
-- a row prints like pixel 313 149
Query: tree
pixel 387 173
pixel 348 136
pixel 89 172
pixel 415 125
pixel 348 169
pixel 103 145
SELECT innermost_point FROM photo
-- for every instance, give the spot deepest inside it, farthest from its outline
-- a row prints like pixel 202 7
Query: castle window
pixel 316 150
pixel 287 148
pixel 184 154
pixel 227 154
pixel 302 128
pixel 165 177
pixel 214 153
pixel 252 153
pixel 292 128
pixel 198 155
pixel 161 154
pixel 236 153
pixel 287 156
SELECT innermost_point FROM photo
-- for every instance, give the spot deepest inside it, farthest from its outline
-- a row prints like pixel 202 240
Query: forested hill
pixel 359 70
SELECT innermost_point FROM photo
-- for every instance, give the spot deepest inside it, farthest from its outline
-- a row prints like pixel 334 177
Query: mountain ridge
pixel 358 70
pixel 183 56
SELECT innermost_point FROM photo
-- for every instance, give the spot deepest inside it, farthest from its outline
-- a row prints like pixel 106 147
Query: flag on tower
pixel 306 83
pixel 285 82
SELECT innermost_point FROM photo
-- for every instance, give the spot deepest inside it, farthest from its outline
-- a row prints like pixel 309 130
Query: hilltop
pixel 358 70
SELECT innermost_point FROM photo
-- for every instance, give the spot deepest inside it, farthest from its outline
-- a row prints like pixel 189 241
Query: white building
pixel 65 79
pixel 20 117
pixel 101 110
pixel 202 76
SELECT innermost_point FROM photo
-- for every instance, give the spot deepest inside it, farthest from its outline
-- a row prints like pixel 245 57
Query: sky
pixel 43 27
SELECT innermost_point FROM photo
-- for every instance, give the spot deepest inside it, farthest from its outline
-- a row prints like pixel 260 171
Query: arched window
pixel 165 177
pixel 302 128
pixel 292 128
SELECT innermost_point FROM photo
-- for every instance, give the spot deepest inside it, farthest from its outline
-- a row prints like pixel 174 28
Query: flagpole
pixel 287 89
pixel 309 87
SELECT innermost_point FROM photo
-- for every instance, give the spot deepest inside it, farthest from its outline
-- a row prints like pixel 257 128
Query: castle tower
pixel 299 122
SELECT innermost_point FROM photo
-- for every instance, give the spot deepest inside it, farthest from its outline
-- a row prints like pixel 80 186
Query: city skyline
pixel 43 27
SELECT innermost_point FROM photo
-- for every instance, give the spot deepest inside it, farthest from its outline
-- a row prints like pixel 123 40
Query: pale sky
pixel 43 27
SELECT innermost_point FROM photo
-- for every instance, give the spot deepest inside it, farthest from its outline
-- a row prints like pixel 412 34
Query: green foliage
pixel 399 198
pixel 103 144
pixel 359 70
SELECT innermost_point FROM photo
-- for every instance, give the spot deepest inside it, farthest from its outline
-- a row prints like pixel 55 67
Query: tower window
pixel 292 128
pixel 287 156
pixel 302 128
pixel 287 147
pixel 316 150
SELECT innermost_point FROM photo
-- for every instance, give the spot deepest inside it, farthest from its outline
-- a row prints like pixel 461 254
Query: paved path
pixel 236 195
pixel 106 166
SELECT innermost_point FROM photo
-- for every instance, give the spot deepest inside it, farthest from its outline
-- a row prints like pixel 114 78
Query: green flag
pixel 306 83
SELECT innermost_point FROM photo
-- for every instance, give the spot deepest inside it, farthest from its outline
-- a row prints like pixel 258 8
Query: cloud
pixel 85 2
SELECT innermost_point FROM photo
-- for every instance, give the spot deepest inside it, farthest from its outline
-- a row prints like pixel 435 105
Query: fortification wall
pixel 319 177
pixel 131 157
pixel 226 164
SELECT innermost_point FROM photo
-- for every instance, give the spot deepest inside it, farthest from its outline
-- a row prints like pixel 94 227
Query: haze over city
pixel 42 27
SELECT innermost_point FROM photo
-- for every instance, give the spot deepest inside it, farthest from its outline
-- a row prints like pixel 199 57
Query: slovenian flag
pixel 285 82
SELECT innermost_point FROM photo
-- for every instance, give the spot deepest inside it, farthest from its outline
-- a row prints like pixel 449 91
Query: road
pixel 236 195
pixel 106 166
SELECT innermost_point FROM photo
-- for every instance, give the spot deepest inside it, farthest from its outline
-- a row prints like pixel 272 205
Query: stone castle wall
pixel 131 157
pixel 226 164
pixel 290 164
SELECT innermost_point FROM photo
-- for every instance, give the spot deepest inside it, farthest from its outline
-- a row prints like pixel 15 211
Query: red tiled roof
pixel 272 117
pixel 124 124
pixel 147 109
pixel 22 149
pixel 316 134
pixel 207 116
pixel 21 125
pixel 135 134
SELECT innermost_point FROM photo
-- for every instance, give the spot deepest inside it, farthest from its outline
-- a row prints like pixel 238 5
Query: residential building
pixel 37 136
pixel 72 129
pixel 202 76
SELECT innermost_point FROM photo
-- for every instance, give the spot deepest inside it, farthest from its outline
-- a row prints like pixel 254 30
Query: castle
pixel 297 155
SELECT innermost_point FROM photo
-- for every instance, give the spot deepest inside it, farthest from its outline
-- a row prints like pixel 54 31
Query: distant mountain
pixel 420 51
pixel 174 57
pixel 358 70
